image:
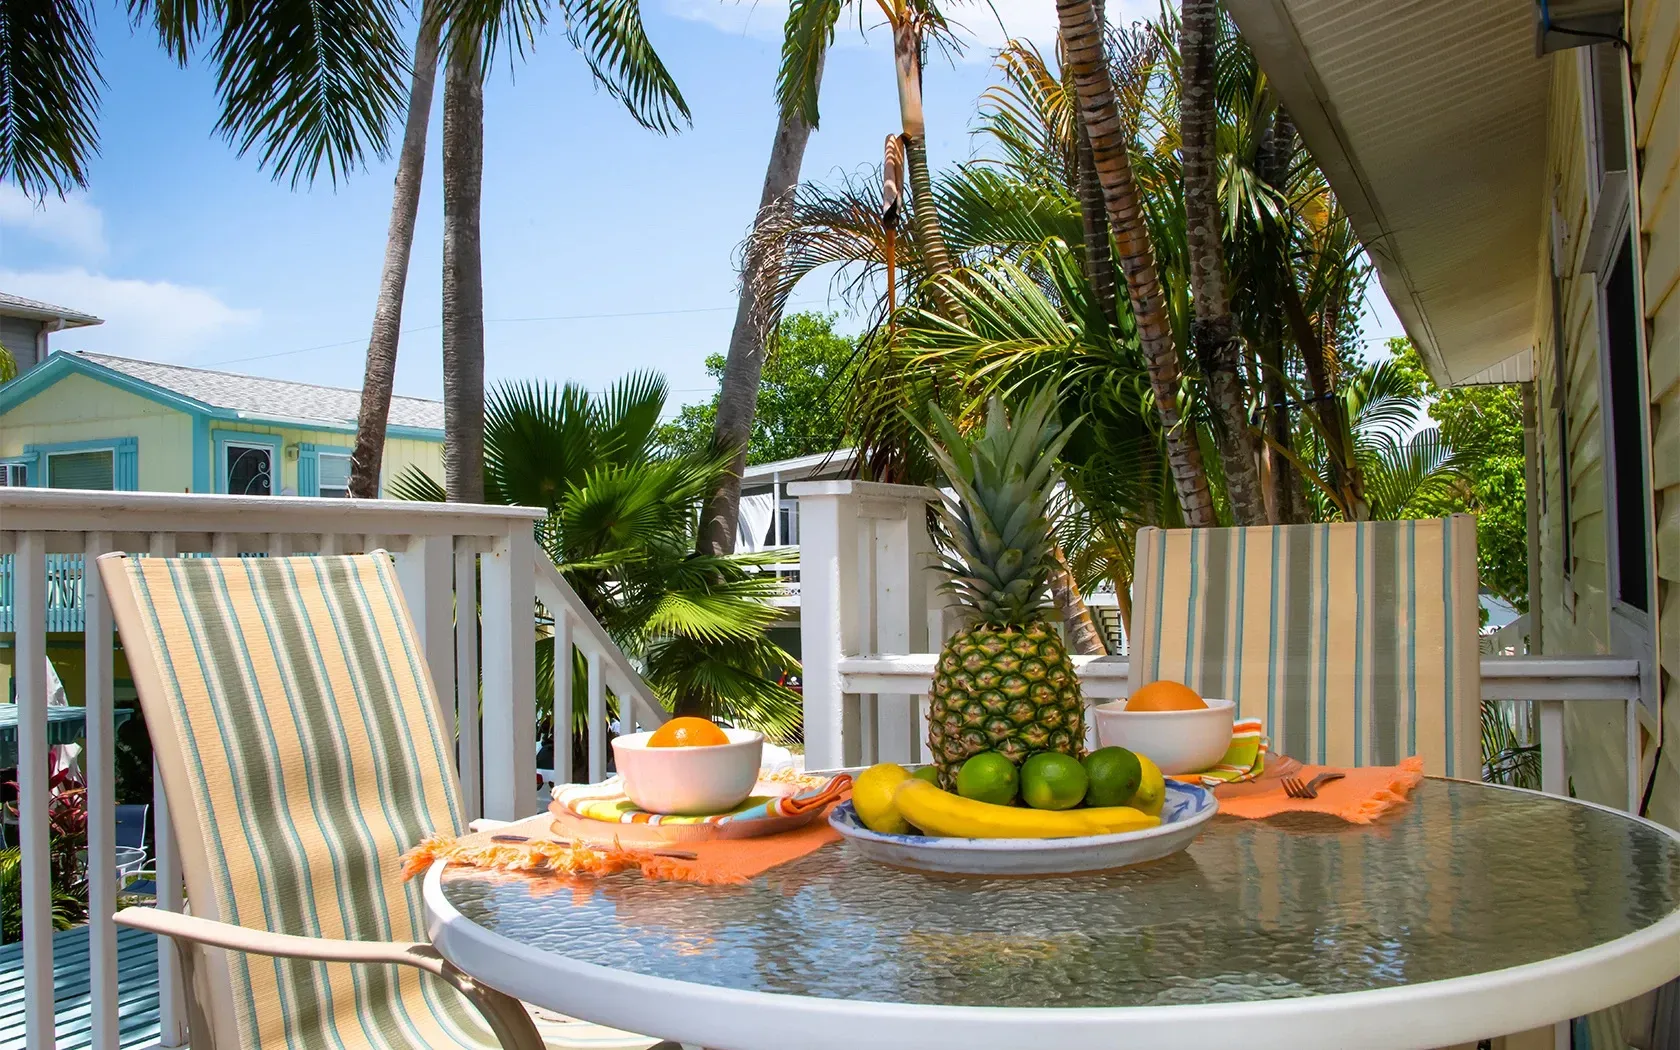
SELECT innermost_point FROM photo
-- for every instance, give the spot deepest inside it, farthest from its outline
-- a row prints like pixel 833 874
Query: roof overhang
pixel 1429 120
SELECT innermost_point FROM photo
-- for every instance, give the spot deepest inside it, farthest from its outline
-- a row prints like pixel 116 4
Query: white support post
pixel 467 754
pixel 172 1007
pixel 861 723
pixel 598 717
pixel 426 572
pixel 562 696
pixel 1553 778
pixel 101 798
pixel 510 674
pixel 828 614
pixel 29 603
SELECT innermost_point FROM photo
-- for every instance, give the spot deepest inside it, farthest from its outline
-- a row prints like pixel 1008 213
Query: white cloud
pixel 156 320
pixel 70 223
pixel 984 26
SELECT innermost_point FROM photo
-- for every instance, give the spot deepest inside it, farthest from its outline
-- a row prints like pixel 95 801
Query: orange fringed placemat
pixel 1363 794
pixel 549 845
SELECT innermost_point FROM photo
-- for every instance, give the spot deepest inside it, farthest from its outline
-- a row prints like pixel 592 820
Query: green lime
pixel 1052 780
pixel 927 773
pixel 989 777
pixel 1115 774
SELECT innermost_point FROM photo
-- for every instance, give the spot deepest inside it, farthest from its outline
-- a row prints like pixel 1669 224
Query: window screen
pixel 96 469
pixel 1627 423
pixel 14 475
pixel 249 469
pixel 334 474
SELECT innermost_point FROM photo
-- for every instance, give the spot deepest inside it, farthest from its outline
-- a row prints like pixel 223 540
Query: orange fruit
pixel 687 731
pixel 1165 696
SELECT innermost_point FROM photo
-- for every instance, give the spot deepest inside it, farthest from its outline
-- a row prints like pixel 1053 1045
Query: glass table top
pixel 1464 880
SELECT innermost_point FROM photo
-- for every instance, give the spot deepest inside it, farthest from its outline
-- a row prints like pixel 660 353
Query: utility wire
pixel 494 320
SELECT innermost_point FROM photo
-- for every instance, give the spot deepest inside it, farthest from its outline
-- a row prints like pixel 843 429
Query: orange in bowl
pixel 688 731
pixel 1165 696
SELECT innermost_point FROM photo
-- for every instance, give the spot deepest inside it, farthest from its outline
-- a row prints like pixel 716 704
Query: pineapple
pixel 1004 681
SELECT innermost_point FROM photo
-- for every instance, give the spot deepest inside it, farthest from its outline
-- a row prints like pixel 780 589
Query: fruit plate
pixel 1186 809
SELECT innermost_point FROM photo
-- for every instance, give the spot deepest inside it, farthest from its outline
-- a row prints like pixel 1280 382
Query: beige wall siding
pixel 78 408
pixel 1654 30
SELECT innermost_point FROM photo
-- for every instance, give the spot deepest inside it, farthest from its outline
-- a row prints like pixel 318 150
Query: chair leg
pixel 505 1015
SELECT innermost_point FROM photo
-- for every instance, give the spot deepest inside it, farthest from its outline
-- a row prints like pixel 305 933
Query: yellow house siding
pixel 1654 31
pixel 77 408
pixel 1575 598
pixel 399 452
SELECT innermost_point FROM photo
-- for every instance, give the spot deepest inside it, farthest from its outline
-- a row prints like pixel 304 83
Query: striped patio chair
pixel 1356 642
pixel 300 746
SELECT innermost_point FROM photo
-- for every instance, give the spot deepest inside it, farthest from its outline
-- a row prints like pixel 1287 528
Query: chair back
pixel 131 826
pixel 299 744
pixel 1356 642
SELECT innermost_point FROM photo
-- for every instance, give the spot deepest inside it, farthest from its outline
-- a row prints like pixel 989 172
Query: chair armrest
pixel 284 945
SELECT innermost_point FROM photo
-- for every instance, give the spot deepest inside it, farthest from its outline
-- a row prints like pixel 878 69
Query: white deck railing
pixel 872 619
pixel 484 668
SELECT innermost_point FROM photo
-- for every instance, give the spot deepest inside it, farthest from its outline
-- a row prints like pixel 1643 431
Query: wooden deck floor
pixel 137 990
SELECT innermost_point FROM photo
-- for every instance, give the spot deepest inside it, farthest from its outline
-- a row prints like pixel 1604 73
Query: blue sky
pixel 606 248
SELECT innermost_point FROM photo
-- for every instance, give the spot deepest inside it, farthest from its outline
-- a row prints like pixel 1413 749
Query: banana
pixel 939 812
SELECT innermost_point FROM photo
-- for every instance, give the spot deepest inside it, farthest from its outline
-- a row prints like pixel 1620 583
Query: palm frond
pixel 49 94
pixel 806 37
pixel 610 36
pixel 310 85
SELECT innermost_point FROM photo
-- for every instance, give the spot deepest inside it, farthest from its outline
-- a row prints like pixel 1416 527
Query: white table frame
pixel 1411 1017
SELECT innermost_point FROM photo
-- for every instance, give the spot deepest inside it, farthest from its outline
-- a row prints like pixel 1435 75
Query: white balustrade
pixel 450 558
pixel 872 618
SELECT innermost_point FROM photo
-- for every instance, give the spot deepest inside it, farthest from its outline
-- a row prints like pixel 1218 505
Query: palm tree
pixel 621 527
pixel 610 36
pixel 1213 332
pixel 312 88
pixel 463 274
pixel 368 455
pixel 1087 61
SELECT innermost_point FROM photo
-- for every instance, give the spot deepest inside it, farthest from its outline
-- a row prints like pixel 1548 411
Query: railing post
pixel 562 715
pixel 426 571
pixel 467 751
pixel 1553 778
pixel 828 613
pixel 101 798
pixel 510 673
pixel 598 716
pixel 172 1012
pixel 29 595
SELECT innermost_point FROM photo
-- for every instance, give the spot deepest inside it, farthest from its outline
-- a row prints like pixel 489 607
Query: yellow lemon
pixel 872 797
pixel 1152 788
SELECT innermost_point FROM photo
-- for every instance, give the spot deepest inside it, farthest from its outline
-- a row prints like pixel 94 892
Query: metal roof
pixel 1429 119
pixel 17 306
pixel 279 399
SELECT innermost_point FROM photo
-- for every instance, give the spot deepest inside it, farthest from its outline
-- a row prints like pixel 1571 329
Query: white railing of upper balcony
pixel 484 668
pixel 872 618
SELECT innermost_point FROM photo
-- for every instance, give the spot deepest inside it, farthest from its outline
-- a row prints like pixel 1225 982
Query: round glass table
pixel 1471 912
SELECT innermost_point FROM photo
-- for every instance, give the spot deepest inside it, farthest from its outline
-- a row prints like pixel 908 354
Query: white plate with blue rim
pixel 1185 811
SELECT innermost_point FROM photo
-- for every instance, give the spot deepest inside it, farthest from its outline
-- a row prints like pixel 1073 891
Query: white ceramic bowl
pixel 1177 741
pixel 689 781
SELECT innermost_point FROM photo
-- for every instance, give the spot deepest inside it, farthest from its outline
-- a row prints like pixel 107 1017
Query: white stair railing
pixel 449 557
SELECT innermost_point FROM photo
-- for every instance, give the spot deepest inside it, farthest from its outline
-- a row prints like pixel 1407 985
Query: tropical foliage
pixel 801 399
pixel 621 524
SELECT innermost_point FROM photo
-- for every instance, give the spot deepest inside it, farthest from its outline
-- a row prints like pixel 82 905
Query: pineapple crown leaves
pixel 1000 530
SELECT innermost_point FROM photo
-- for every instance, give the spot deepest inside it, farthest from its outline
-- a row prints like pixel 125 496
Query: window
pixel 14 475
pixel 334 476
pixel 1623 369
pixel 92 469
pixel 249 469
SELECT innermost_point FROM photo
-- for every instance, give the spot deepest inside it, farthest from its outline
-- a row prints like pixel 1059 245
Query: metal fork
pixel 1294 788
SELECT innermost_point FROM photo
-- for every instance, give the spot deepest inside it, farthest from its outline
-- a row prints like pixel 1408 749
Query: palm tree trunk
pixel 744 368
pixel 1083 39
pixel 1338 438
pixel 1078 623
pixel 1287 497
pixel 463 276
pixel 930 239
pixel 1213 330
pixel 1099 253
pixel 368 456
